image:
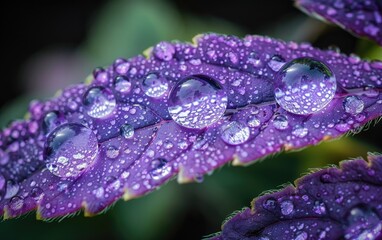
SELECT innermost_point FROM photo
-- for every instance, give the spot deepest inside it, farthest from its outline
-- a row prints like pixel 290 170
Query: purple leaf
pixel 187 110
pixel 362 17
pixel 331 203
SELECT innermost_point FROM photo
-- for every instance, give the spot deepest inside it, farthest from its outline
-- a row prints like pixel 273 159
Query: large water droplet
pixel 99 102
pixel 127 131
pixel 197 102
pixel 70 149
pixel 304 86
pixel 363 223
pixel 235 133
pixel 287 207
pixel 164 51
pixel 159 169
pixel 353 105
pixel 253 122
pixel 301 236
pixel 154 85
pixel 122 84
pixel 280 122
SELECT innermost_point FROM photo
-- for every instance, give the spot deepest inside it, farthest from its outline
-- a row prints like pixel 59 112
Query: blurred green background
pixel 51 46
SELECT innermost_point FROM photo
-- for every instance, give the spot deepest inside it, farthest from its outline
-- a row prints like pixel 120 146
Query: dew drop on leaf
pixel 127 131
pixel 287 207
pixel 70 149
pixel 197 102
pixel 159 169
pixel 164 51
pixel 280 122
pixel 353 105
pixel 304 86
pixel 276 62
pixel 12 189
pixel 99 102
pixel 122 84
pixel 16 203
pixel 154 85
pixel 235 133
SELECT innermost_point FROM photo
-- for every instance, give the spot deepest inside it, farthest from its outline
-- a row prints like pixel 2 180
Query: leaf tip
pixel 147 52
pixel 89 79
pixel 195 39
pixel 128 195
pixel 6 214
pixel 87 213
pixel 182 177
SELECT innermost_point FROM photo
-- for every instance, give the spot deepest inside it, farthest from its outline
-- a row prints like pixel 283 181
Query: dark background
pixel 46 46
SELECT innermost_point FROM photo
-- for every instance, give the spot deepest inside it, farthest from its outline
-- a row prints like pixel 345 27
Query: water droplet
pixel 301 236
pixel 235 133
pixel 99 102
pixel 254 59
pixel 159 169
pixel 70 149
pixel 270 204
pixel 16 203
pixel 127 131
pixel 122 84
pixel 371 91
pixel 101 75
pixel 253 122
pixel 112 152
pixel 12 189
pixel 36 193
pixel 304 86
pixel 154 85
pixel 319 208
pixel 353 105
pixel 280 122
pixel 197 102
pixel 276 62
pixel 299 131
pixel 51 121
pixel 99 192
pixel 164 51
pixel 4 157
pixel 287 207
pixel 363 223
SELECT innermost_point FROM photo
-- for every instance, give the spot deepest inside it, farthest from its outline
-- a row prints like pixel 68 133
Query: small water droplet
pixel 371 91
pixel 36 193
pixel 353 105
pixel 99 102
pixel 287 207
pixel 304 86
pixel 253 122
pixel 70 149
pixel 100 75
pixel 122 84
pixel 52 120
pixel 319 208
pixel 197 102
pixel 164 51
pixel 112 152
pixel 160 168
pixel 4 157
pixel 16 203
pixel 280 122
pixel 127 131
pixel 99 192
pixel 270 204
pixel 363 223
pixel 12 189
pixel 301 236
pixel 154 85
pixel 299 131
pixel 254 59
pixel 235 133
pixel 276 62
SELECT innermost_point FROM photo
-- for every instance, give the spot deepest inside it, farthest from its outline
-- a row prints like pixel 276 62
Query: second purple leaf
pixel 362 17
pixel 185 110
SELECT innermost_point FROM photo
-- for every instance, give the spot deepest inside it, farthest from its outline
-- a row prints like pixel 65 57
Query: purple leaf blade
pixel 363 18
pixel 129 145
pixel 332 203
